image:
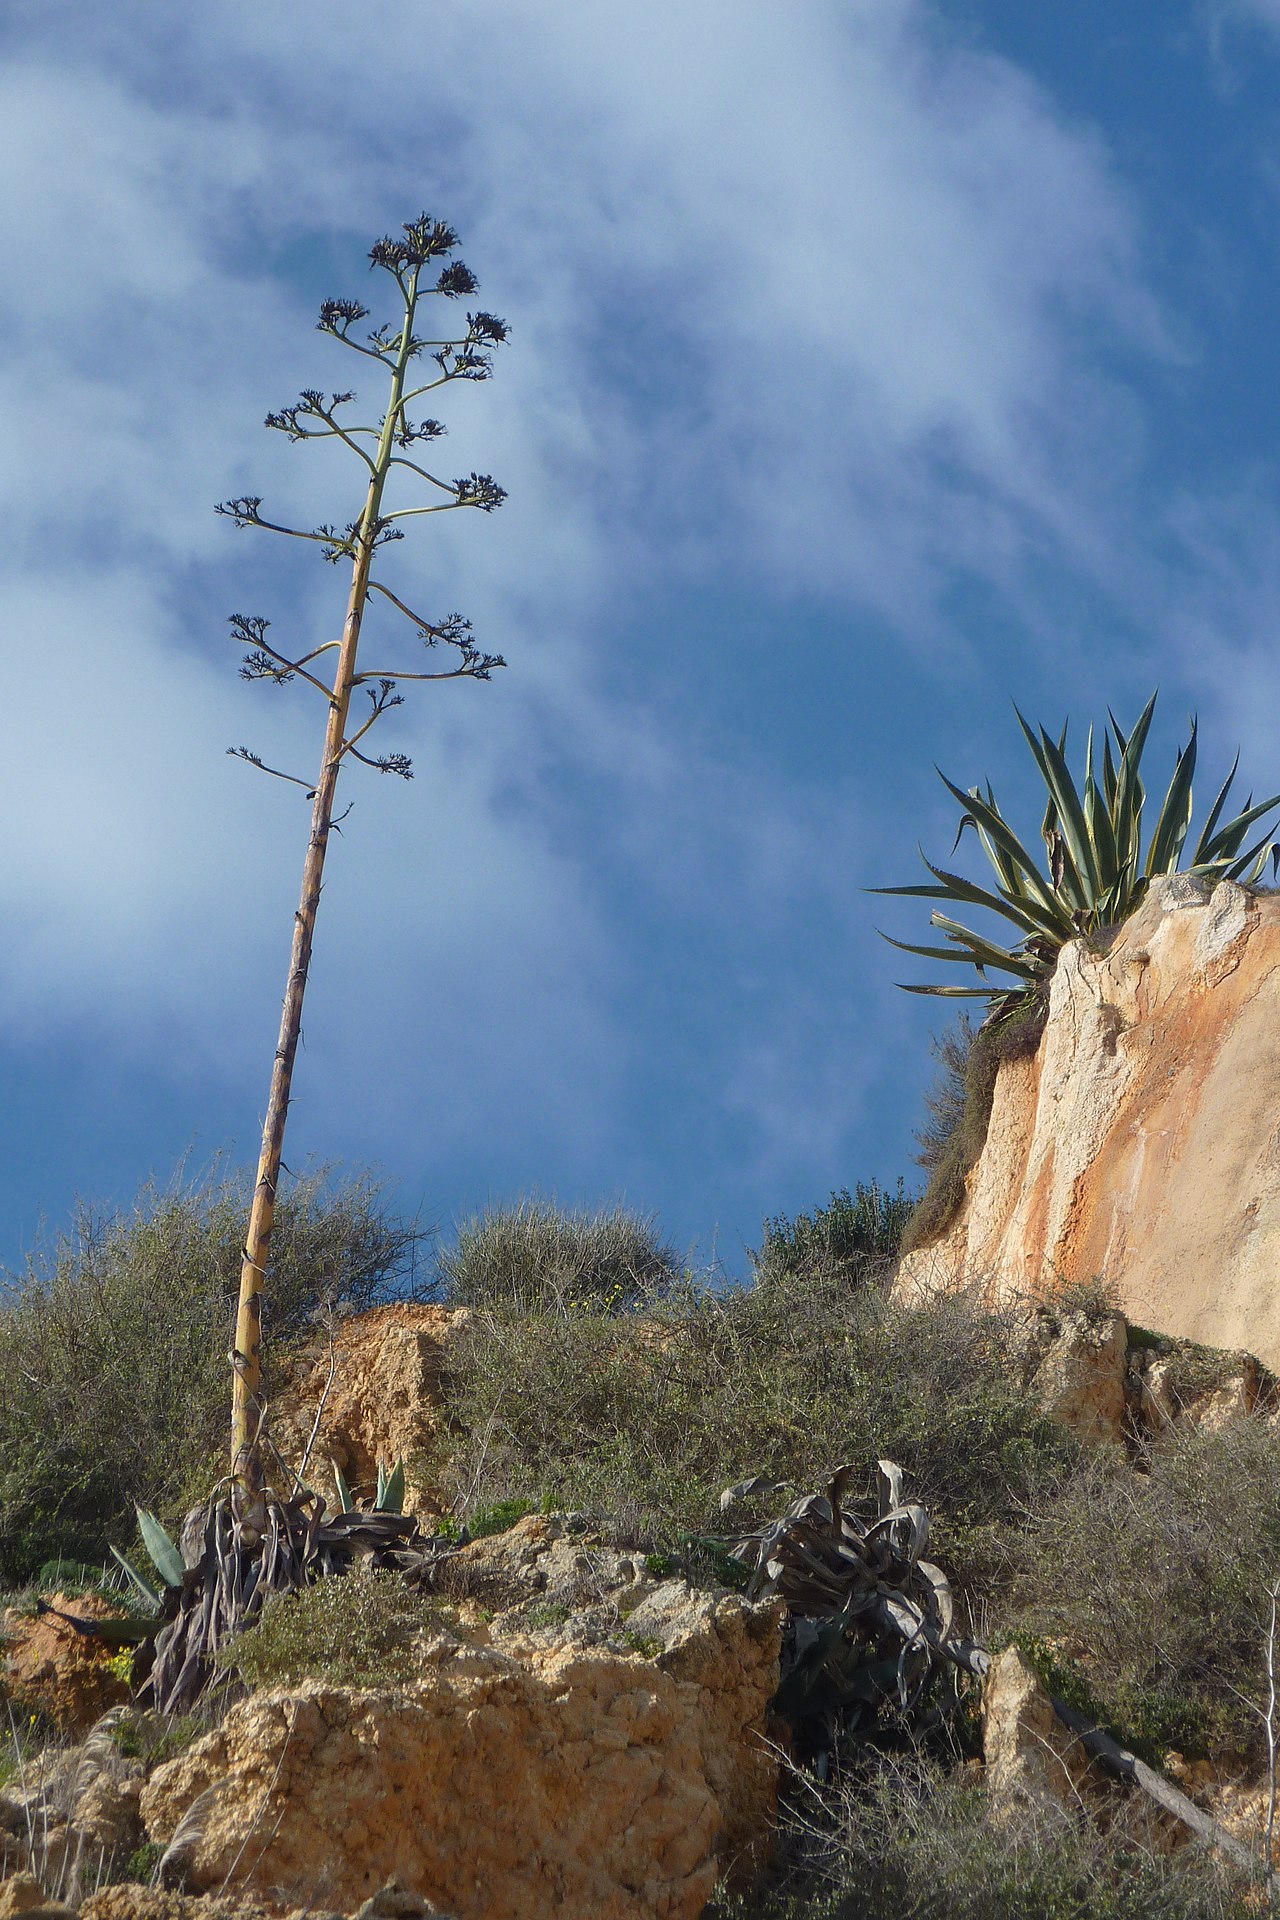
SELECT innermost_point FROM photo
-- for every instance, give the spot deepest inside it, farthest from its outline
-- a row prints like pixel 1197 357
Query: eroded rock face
pixel 382 1404
pixel 129 1901
pixel 51 1669
pixel 1031 1760
pixel 1141 1144
pixel 1077 1362
pixel 595 1749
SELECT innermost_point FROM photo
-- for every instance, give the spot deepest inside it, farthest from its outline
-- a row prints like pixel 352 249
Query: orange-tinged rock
pixel 1141 1143
pixel 382 1404
pixel 51 1669
pixel 513 1781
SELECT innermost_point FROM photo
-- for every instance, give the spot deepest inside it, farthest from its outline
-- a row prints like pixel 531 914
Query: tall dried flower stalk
pixel 387 452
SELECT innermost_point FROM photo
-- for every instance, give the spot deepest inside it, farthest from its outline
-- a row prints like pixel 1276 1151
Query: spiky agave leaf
pixel 165 1556
pixel 1097 873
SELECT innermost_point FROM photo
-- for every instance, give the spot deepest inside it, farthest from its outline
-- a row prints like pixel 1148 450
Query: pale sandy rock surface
pixel 382 1403
pixel 1030 1760
pixel 594 1745
pixel 1141 1144
pixel 132 1902
pixel 1036 1768
pixel 22 1895
pixel 1078 1363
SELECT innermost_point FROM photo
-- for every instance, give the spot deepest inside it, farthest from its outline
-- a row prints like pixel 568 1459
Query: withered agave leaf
pixel 829 1563
pixel 761 1486
pixel 888 1484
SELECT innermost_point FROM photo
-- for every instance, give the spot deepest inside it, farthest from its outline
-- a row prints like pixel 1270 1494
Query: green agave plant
pixel 1094 874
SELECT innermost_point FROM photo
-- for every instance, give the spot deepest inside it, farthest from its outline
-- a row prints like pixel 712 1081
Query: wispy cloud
pixel 816 301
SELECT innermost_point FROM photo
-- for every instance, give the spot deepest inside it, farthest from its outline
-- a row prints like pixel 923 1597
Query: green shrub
pixel 114 1384
pixel 650 1418
pixel 143 1861
pixel 537 1255
pixel 360 1629
pixel 853 1237
pixel 1160 1579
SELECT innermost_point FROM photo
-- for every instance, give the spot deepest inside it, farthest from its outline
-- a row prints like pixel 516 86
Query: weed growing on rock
pixel 959 1109
pixel 362 1630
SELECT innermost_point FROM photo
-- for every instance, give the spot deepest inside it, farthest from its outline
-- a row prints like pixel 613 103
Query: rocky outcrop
pixel 377 1389
pixel 590 1741
pixel 1141 1143
pixel 52 1670
pixel 1031 1761
pixel 1076 1363
pixel 129 1901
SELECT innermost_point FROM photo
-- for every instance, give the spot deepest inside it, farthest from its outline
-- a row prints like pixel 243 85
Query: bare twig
pixel 315 1424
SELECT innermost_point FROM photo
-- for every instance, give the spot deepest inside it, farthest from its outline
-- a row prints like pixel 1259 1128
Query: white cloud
pixel 800 295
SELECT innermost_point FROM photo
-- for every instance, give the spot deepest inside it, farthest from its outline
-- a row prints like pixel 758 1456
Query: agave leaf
pixel 888 1486
pixel 1098 821
pixel 1174 819
pixel 1226 843
pixel 1251 866
pixel 1000 831
pixel 1215 812
pixel 948 993
pixel 346 1504
pixel 1051 761
pixel 985 952
pixel 141 1584
pixel 164 1553
pixel 1130 792
pixel 382 1486
pixel 1023 909
pixel 943 1599
pixel 391 1489
pixel 1004 866
pixel 1109 773
pixel 758 1486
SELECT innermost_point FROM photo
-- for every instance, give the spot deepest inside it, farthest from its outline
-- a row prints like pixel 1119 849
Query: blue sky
pixel 873 364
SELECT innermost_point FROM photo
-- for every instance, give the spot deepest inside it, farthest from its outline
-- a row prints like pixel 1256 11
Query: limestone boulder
pixel 591 1741
pixel 1076 1361
pixel 1140 1144
pixel 1031 1761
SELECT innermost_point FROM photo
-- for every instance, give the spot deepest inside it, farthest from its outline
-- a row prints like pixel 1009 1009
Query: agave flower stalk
pixel 382 450
pixel 1094 873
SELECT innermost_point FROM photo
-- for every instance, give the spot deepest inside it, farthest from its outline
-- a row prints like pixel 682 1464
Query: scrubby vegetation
pixel 359 1631
pixel 651 1418
pixel 113 1349
pixel 905 1838
pixel 537 1256
pixel 594 1375
pixel 1159 1581
pixel 853 1237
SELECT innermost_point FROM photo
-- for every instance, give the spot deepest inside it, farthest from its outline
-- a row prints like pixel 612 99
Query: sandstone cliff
pixel 1140 1144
